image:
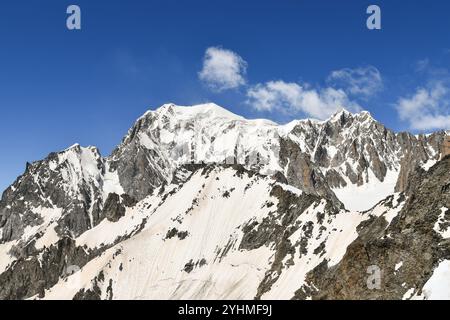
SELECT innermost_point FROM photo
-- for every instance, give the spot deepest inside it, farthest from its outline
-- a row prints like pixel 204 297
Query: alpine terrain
pixel 199 203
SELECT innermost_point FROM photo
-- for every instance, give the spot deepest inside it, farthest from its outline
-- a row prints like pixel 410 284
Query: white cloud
pixel 362 82
pixel 294 98
pixel 222 69
pixel 427 108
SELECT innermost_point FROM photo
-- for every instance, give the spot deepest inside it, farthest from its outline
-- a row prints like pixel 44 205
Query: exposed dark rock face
pixel 136 164
pixel 409 241
pixel 113 209
pixel 32 274
pixel 307 178
pixel 191 265
pixel 93 293
pixel 416 150
pixel 446 146
pixel 175 233
pixel 89 294
pixel 128 201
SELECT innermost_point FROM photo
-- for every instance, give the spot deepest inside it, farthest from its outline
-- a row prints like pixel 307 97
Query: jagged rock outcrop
pixel 302 173
pixel 416 153
pixel 113 209
pixel 66 184
pixel 406 249
pixel 31 274
pixel 140 169
pixel 115 206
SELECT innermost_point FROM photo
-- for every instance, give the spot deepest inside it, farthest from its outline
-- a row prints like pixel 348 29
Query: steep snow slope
pixel 438 287
pixel 363 197
pixel 193 244
pixel 227 233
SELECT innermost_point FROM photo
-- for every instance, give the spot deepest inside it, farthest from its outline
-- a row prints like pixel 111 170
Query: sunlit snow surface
pixel 361 198
pixel 152 265
pixel 437 287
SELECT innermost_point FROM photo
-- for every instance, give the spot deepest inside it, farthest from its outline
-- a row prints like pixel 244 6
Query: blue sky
pixel 286 59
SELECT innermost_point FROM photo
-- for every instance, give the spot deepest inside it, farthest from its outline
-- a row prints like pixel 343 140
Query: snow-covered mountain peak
pixel 77 148
pixel 86 161
pixel 196 112
pixel 339 114
pixel 74 147
pixel 344 116
pixel 210 114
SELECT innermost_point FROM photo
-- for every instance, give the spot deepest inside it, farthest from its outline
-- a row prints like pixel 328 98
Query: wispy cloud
pixel 362 82
pixel 289 97
pixel 427 108
pixel 344 88
pixel 222 69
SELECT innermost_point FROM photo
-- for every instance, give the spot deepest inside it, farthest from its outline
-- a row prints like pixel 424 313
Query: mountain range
pixel 199 203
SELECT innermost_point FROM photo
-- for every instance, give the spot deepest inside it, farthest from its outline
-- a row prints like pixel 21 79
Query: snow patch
pixel 444 232
pixel 290 189
pixel 438 286
pixel 427 165
pixel 362 198
pixel 111 183
pixel 5 258
pixel 49 238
